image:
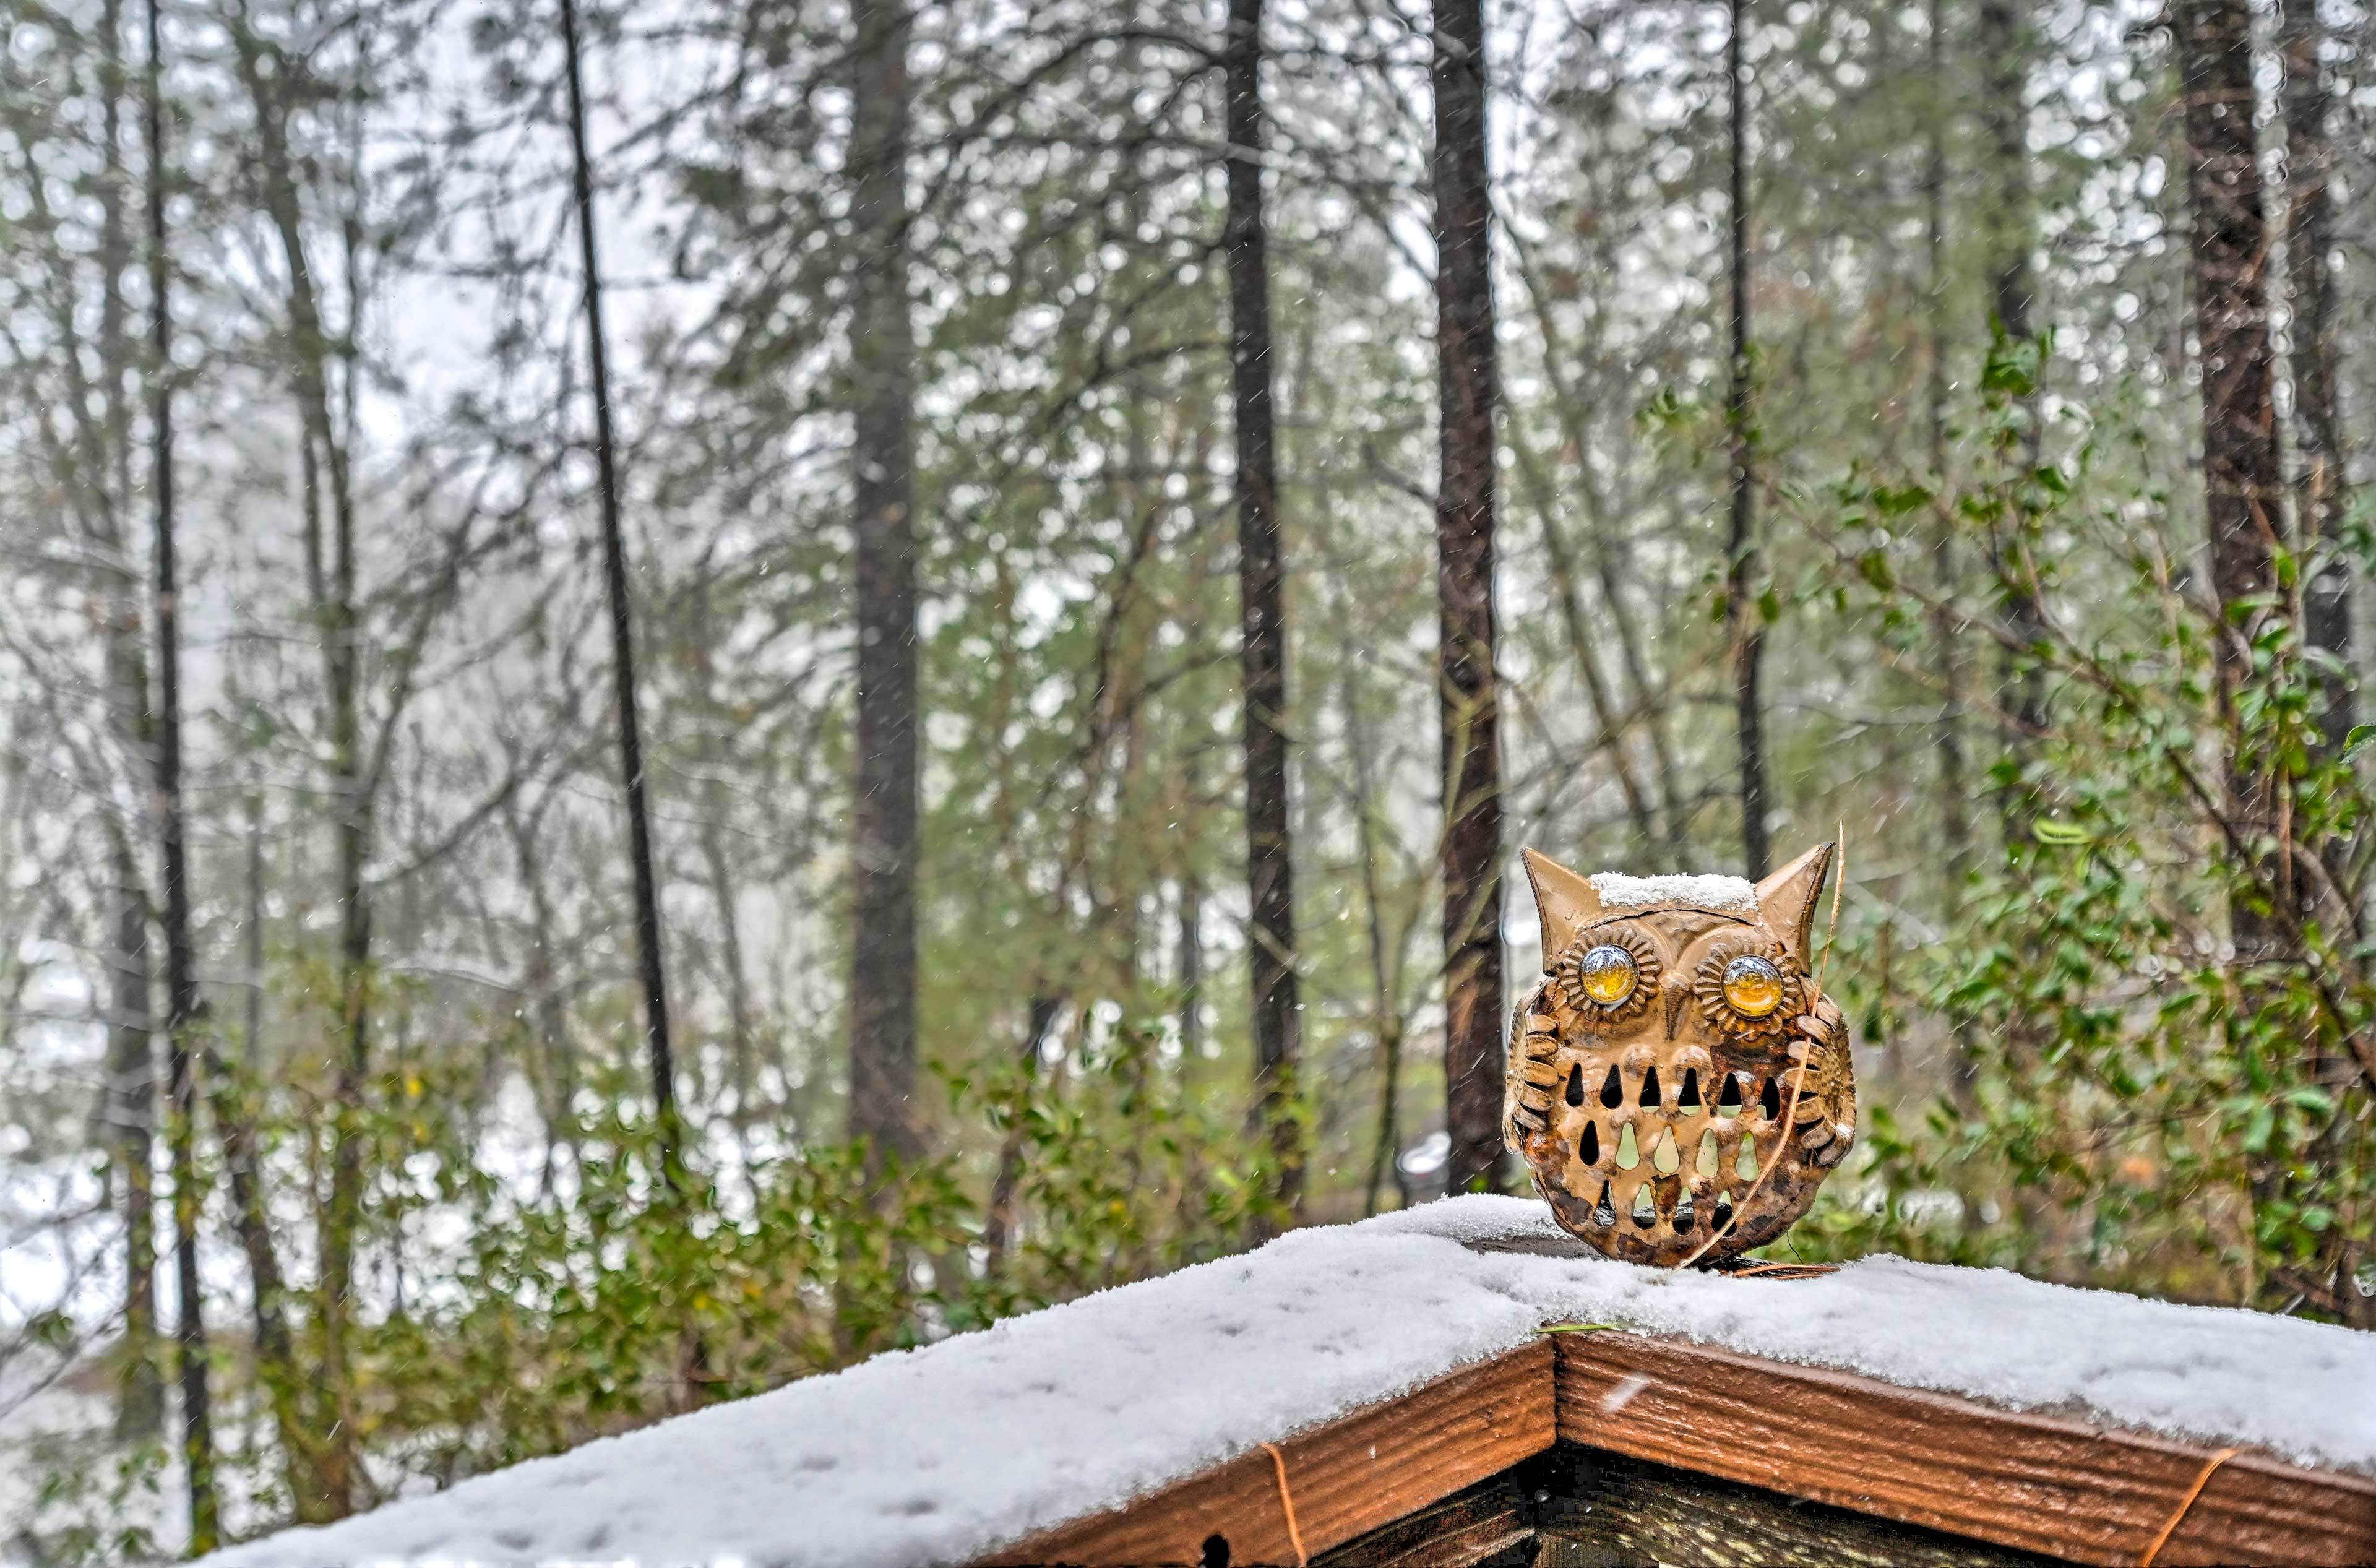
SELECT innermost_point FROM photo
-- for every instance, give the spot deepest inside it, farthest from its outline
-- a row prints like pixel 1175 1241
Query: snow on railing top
pixel 944 1454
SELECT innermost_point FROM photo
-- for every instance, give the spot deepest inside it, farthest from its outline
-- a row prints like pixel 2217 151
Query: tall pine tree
pixel 1467 391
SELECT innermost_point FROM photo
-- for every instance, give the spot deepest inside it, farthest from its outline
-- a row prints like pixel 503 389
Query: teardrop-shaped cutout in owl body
pixel 1679 1089
pixel 1665 1159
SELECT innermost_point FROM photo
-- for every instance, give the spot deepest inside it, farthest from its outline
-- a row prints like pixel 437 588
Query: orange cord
pixel 1787 1270
pixel 1787 1125
pixel 1799 1076
pixel 2191 1493
pixel 1287 1505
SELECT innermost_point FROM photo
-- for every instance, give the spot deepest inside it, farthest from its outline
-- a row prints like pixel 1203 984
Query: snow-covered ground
pixel 939 1454
pixel 60 1441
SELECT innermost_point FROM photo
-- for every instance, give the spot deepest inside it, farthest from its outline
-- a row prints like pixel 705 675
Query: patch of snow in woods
pixel 943 1453
pixel 1705 890
pixel 61 1434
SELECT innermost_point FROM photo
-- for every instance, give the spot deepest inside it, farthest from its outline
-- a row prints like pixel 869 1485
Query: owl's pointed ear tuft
pixel 1787 898
pixel 1565 902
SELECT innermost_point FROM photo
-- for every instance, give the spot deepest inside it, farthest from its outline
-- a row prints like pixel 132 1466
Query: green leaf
pixel 1896 502
pixel 2012 367
pixel 2049 831
pixel 2357 740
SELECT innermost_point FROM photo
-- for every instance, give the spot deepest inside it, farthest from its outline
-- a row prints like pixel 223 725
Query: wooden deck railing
pixel 1609 1447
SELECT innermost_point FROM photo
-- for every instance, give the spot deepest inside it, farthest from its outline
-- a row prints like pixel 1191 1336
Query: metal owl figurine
pixel 1651 1072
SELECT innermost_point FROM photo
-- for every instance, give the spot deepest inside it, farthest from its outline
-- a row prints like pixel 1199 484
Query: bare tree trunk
pixel 2002 39
pixel 1955 826
pixel 131 1061
pixel 1946 631
pixel 1192 934
pixel 198 1438
pixel 1385 959
pixel 739 1027
pixel 332 578
pixel 1467 391
pixel 252 1032
pixel 649 965
pixel 1270 860
pixel 717 760
pixel 2002 28
pixel 2323 495
pixel 132 1126
pixel 2242 480
pixel 332 582
pixel 115 349
pixel 344 1224
pixel 553 1047
pixel 2323 499
pixel 883 823
pixel 301 1439
pixel 999 1220
pixel 1743 617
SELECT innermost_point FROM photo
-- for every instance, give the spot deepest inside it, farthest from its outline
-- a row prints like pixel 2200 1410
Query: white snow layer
pixel 1707 890
pixel 944 1454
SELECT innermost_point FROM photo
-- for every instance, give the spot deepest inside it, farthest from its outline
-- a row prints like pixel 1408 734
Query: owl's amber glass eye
pixel 1608 974
pixel 1754 986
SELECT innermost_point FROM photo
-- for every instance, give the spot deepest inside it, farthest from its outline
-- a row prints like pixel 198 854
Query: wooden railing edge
pixel 2049 1484
pixel 1345 1479
pixel 2054 1485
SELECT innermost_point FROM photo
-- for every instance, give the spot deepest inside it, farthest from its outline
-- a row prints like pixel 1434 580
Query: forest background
pixel 695 688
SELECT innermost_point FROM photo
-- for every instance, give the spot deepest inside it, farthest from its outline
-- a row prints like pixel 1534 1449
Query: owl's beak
pixel 1676 991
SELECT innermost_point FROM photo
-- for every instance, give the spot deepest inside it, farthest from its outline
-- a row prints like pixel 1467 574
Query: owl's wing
pixel 1826 1123
pixel 1531 1072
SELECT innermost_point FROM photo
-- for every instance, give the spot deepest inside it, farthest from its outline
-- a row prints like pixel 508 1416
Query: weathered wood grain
pixel 1483 1527
pixel 1348 1477
pixel 2042 1483
pixel 1576 1507
pixel 1842 1464
pixel 1597 1510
